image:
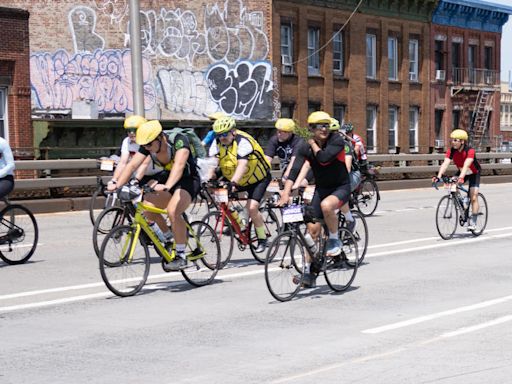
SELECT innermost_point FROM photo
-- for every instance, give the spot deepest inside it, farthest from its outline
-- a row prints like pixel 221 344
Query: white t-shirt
pixel 244 147
pixel 127 146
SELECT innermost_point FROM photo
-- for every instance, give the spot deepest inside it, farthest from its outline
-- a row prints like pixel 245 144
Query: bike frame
pixel 242 236
pixel 457 197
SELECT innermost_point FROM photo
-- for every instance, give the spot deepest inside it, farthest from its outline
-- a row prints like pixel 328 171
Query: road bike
pixel 367 195
pixel 124 255
pixel 286 257
pixel 455 209
pixel 18 233
pixel 101 192
pixel 108 219
pixel 230 227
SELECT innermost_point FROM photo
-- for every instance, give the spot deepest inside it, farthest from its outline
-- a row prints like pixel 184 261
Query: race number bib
pixel 273 187
pixel 292 214
pixel 107 165
pixel 220 195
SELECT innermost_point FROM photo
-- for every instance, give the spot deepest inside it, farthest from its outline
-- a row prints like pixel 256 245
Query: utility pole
pixel 136 59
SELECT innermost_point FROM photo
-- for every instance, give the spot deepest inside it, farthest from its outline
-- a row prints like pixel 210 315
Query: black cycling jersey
pixel 328 164
pixel 284 150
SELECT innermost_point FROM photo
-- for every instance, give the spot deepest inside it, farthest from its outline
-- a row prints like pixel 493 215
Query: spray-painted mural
pixel 211 57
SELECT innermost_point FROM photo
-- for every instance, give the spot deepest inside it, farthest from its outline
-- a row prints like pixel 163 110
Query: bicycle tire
pixel 93 204
pixel 368 198
pixel 447 217
pixel 272 228
pixel 124 277
pixel 340 271
pixel 18 247
pixel 483 214
pixel 224 233
pixel 284 273
pixel 107 220
pixel 360 234
pixel 201 270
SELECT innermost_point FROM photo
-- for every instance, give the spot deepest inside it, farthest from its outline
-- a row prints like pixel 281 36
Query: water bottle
pixel 466 201
pixel 158 231
pixel 236 216
pixel 243 219
pixel 310 242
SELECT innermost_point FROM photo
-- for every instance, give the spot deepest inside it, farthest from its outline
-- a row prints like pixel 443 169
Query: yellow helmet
pixel 148 132
pixel 335 124
pixel 459 134
pixel 319 117
pixel 133 121
pixel 224 124
pixel 216 115
pixel 285 125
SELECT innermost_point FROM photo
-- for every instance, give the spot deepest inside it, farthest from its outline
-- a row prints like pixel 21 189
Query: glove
pixel 435 180
pixel 460 180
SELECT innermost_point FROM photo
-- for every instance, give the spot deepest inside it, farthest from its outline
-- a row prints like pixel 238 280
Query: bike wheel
pixel 272 227
pixel 94 211
pixel 368 197
pixel 360 234
pixel 106 221
pixel 18 234
pixel 340 271
pixel 123 271
pixel 199 208
pixel 224 233
pixel 203 255
pixel 284 266
pixel 481 220
pixel 447 216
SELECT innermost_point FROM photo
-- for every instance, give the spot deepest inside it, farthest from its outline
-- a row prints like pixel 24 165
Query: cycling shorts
pixel 473 179
pixel 257 190
pixel 342 192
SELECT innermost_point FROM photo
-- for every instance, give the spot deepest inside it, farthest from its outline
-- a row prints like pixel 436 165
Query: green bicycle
pixel 124 256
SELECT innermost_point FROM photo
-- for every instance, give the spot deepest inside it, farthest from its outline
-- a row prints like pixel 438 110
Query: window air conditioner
pixel 440 74
pixel 439 143
pixel 413 76
pixel 286 66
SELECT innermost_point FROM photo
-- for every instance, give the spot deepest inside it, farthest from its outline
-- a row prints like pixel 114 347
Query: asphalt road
pixel 421 310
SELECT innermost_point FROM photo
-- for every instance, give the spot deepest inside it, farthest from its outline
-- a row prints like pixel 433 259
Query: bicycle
pixel 228 228
pixel 107 220
pixel 203 201
pixel 367 195
pixel 124 256
pixel 19 233
pixel 286 257
pixel 454 209
pixel 101 191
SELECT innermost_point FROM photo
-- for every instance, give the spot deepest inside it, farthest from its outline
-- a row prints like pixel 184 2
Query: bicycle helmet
pixel 148 132
pixel 335 124
pixel 133 121
pixel 216 115
pixel 459 134
pixel 347 127
pixel 224 124
pixel 285 125
pixel 319 117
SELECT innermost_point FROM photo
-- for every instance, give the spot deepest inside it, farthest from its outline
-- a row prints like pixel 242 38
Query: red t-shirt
pixel 459 157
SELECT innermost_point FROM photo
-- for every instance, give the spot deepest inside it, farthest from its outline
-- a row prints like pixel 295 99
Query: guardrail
pixel 402 165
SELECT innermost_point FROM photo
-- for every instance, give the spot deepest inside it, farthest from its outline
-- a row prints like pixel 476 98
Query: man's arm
pixel 127 172
pixel 444 167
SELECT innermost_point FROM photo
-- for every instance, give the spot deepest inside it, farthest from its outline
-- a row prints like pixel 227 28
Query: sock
pixel 180 250
pixel 333 235
pixel 349 216
pixel 260 233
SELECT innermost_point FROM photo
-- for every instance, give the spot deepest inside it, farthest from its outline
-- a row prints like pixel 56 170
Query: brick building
pixel 15 123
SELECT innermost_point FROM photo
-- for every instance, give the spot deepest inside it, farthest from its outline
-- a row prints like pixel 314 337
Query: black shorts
pixel 257 190
pixel 160 178
pixel 342 193
pixel 190 184
pixel 474 180
pixel 6 185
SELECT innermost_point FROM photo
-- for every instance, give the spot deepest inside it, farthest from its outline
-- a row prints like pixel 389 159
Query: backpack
pixel 196 147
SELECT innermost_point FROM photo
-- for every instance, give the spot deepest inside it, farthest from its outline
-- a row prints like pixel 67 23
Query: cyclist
pixel 176 187
pixel 352 166
pixel 284 145
pixel 6 168
pixel 358 144
pixel 241 161
pixel 210 136
pixel 325 153
pixel 464 157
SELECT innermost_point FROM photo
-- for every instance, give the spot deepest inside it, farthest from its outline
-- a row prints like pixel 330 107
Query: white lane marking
pixel 54 302
pixel 462 331
pixel 433 316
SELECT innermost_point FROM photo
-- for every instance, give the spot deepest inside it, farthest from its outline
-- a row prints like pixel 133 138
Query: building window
pixel 3 113
pixel 472 60
pixel 413 59
pixel 313 107
pixel 286 49
pixel 371 56
pixel 313 51
pixel 414 114
pixel 339 113
pixel 392 58
pixel 457 70
pixel 489 76
pixel 438 123
pixel 392 128
pixel 337 53
pixel 455 119
pixel 371 128
pixel 287 110
pixel 439 55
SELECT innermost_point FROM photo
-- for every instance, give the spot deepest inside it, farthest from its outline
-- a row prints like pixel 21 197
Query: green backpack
pixel 196 147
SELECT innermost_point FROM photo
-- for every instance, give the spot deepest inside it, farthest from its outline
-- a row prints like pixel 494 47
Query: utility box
pixel 84 109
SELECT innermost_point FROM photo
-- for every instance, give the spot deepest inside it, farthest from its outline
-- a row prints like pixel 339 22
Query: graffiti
pixel 103 76
pixel 82 22
pixel 245 91
pixel 116 10
pixel 276 75
pixel 229 33
pixel 185 91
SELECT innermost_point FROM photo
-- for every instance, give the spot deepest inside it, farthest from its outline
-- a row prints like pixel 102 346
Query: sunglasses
pixel 148 145
pixel 318 126
pixel 225 134
pixel 456 140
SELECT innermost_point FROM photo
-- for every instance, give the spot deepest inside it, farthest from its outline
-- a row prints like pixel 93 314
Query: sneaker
pixel 351 225
pixel 309 280
pixel 176 264
pixel 472 224
pixel 262 245
pixel 333 247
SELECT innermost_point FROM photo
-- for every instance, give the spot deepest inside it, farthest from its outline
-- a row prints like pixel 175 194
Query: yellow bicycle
pixel 124 255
